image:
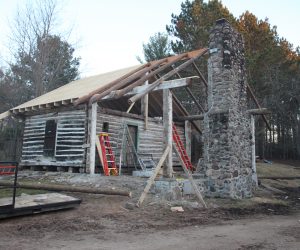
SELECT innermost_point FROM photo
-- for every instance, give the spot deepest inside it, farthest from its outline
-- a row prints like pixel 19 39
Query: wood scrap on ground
pixel 54 187
pixel 177 209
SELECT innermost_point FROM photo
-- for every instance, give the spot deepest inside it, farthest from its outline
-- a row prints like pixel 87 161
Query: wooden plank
pixel 190 117
pixel 177 83
pixel 253 156
pixel 167 121
pixel 126 115
pixel 61 161
pixel 190 177
pixel 33 204
pixel 34 142
pixel 145 107
pixel 153 176
pixel 92 135
pixel 70 133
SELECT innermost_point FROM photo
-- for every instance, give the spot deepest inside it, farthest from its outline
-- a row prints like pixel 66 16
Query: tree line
pixel 273 68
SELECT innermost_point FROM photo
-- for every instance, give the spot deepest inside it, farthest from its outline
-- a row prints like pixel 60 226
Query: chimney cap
pixel 221 21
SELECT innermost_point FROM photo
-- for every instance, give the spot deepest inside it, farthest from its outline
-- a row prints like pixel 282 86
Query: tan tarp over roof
pixel 73 90
pixel 76 89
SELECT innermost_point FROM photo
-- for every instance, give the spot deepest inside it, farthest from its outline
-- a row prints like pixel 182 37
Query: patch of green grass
pixel 8 192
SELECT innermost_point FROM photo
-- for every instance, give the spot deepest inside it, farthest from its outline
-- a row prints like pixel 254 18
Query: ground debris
pixel 177 209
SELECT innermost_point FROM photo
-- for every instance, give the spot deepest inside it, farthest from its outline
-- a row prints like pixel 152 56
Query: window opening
pixel 50 138
pixel 105 127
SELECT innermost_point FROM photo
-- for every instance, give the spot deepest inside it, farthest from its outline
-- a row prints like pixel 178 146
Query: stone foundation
pixel 168 189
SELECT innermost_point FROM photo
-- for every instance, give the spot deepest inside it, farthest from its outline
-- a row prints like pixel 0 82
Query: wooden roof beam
pixel 200 74
pixel 96 97
pixel 258 105
pixel 166 76
pixel 177 83
pixel 146 77
pixel 190 117
pixel 103 88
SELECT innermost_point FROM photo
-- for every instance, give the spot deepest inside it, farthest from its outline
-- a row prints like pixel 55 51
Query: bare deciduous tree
pixel 34 40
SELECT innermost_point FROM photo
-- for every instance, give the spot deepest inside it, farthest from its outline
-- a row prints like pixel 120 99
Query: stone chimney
pixel 227 135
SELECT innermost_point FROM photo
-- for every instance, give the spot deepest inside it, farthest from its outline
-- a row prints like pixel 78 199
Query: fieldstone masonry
pixel 227 135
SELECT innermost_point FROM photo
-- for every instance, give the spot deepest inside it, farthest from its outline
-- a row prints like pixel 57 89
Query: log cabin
pixel 61 126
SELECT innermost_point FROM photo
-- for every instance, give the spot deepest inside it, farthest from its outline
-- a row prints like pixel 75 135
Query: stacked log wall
pixel 150 141
pixel 70 137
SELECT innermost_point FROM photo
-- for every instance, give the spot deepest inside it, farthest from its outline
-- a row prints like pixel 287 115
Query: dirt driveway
pixel 104 222
pixel 276 232
pixel 267 221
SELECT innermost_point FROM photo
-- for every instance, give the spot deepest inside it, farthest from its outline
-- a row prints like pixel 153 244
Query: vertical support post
pixel 167 121
pixel 253 156
pixel 188 138
pixel 86 135
pixel 144 108
pixel 15 184
pixel 92 135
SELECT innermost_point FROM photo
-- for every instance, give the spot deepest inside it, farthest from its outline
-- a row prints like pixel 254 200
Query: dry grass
pixel 282 183
pixel 251 203
pixel 276 170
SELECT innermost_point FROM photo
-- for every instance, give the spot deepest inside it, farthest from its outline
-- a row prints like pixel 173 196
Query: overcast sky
pixel 109 33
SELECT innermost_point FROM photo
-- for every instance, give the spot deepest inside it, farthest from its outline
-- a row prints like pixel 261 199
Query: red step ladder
pixel 181 149
pixel 7 169
pixel 108 158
